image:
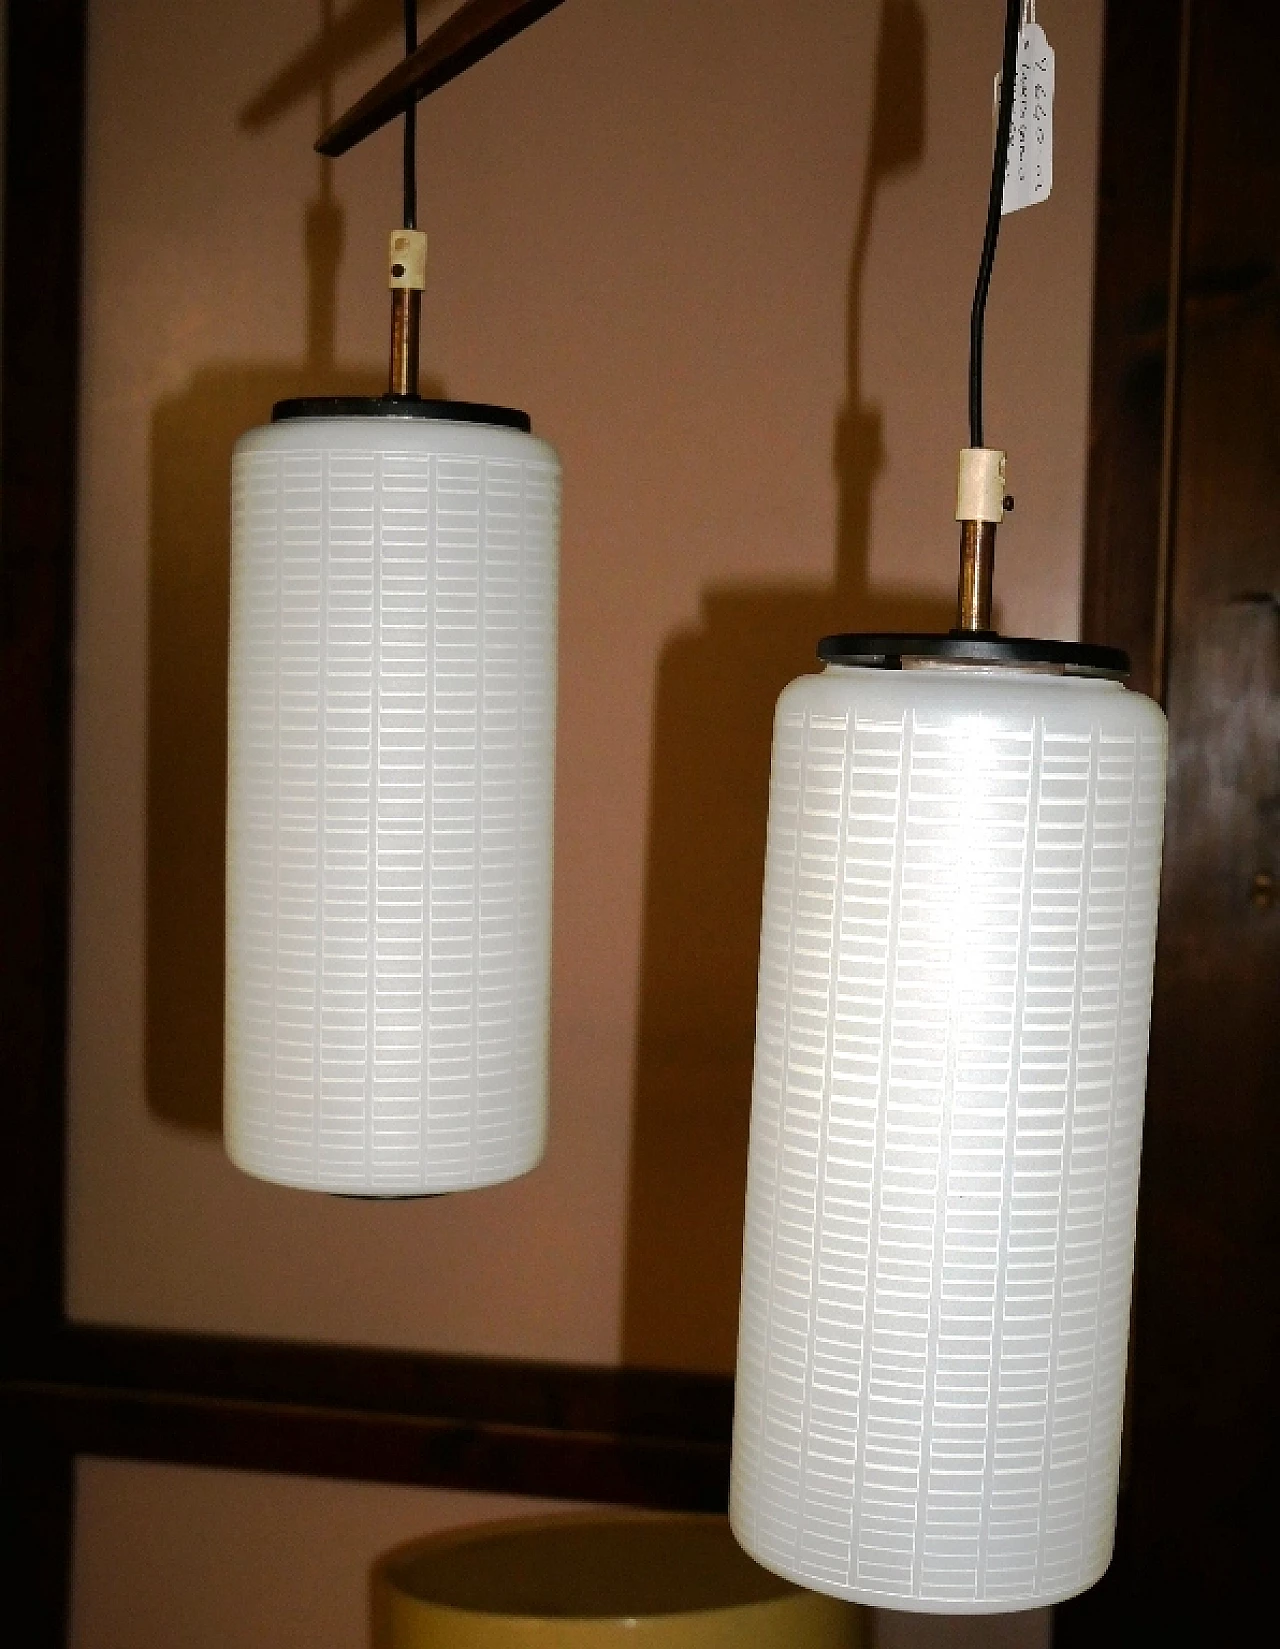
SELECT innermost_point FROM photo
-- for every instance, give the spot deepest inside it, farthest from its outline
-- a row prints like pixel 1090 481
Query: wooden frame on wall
pixel 1129 525
pixel 604 1434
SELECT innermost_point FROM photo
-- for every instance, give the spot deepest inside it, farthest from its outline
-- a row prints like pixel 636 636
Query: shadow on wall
pixel 716 689
pixel 192 436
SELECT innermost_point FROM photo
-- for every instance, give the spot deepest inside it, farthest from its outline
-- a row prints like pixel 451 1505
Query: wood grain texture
pixel 1199 1527
pixel 461 41
pixel 1206 1437
pixel 1133 364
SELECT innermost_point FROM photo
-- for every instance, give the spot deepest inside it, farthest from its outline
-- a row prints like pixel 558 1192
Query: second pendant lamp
pixel 956 962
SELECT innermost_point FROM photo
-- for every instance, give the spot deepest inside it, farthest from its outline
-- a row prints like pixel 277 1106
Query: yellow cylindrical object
pixel 592 1582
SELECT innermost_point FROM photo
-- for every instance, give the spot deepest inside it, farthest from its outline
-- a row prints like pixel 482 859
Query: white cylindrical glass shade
pixel 390 770
pixel 951 1046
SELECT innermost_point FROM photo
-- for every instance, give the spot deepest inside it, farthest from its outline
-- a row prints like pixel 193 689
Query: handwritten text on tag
pixel 1029 176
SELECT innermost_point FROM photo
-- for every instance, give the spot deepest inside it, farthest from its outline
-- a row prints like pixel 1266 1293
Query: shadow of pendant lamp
pixel 955 982
pixel 391 744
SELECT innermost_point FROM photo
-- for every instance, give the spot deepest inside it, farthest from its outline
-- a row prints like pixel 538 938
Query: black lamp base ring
pixel 890 651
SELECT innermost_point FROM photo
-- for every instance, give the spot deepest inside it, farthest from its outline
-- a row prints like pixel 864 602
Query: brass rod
pixel 977 564
pixel 406 320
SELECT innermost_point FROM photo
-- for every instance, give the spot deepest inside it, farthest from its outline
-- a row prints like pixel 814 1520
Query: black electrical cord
pixel 411 124
pixel 1004 123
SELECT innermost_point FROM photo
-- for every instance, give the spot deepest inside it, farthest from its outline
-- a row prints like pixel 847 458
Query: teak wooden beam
pixel 474 30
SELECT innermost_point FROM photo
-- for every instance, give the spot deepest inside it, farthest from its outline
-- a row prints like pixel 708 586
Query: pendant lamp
pixel 956 965
pixel 391 747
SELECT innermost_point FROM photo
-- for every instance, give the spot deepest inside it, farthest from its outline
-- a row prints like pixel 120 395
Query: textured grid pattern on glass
pixel 955 979
pixel 389 815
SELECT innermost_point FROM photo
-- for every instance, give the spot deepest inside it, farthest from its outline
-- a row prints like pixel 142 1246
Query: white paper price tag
pixel 1029 175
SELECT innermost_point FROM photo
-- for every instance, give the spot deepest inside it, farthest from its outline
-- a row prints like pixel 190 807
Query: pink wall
pixel 732 285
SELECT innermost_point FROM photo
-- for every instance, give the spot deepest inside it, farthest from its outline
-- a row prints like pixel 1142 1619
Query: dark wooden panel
pixel 41 341
pixel 374 1447
pixel 1134 363
pixel 1200 1523
pixel 36 1487
pixel 689 1409
pixel 1206 1429
pixel 620 1435
pixel 44 104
